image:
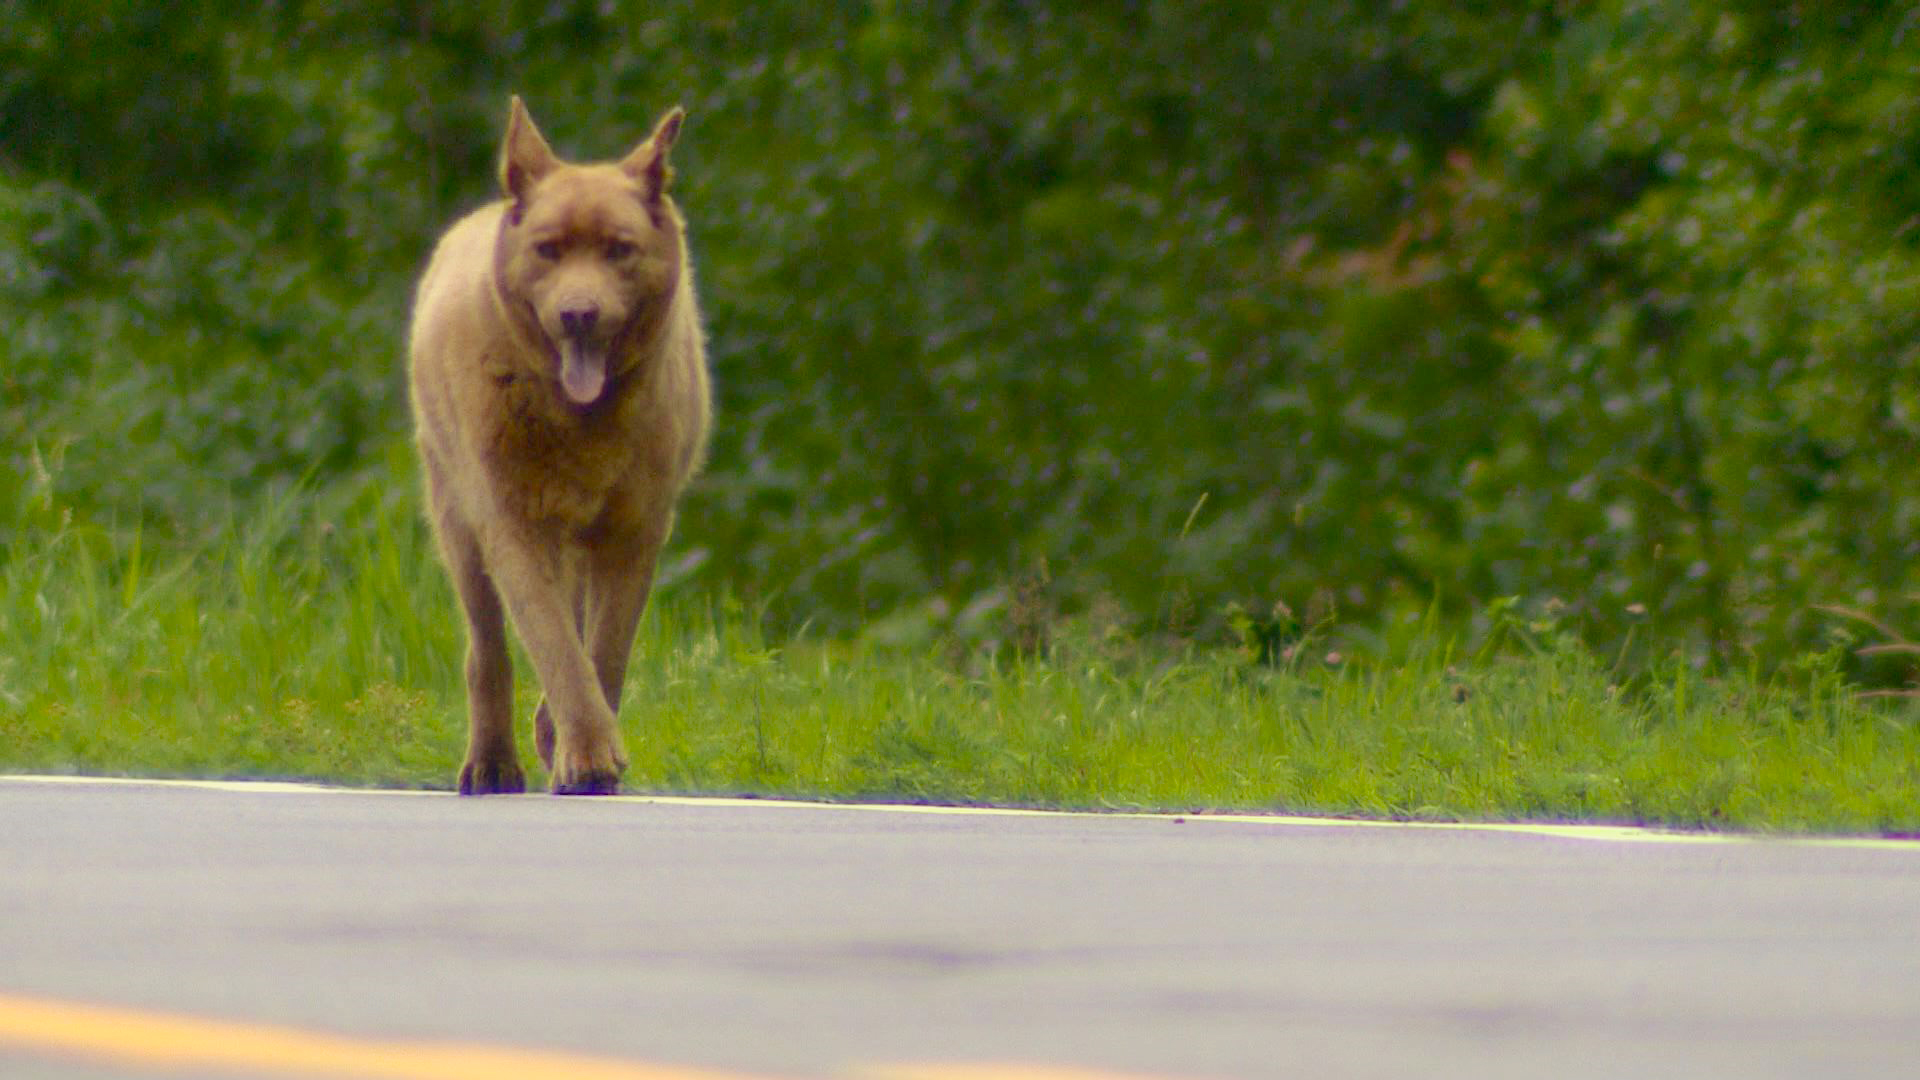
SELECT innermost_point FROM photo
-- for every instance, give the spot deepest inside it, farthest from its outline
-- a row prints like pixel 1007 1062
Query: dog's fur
pixel 560 395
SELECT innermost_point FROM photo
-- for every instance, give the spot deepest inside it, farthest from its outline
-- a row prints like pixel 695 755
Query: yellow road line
pixel 169 1042
pixel 1629 834
pixel 991 1073
pixel 164 1041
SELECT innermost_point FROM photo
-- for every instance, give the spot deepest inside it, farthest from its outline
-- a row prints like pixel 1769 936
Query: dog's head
pixel 591 252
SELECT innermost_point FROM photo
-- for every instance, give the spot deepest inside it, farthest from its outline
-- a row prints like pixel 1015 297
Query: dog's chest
pixel 562 469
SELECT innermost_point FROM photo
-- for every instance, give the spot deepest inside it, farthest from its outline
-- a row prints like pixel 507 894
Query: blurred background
pixel 1193 319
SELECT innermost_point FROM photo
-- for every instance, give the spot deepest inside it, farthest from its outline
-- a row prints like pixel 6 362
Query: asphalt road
pixel 843 942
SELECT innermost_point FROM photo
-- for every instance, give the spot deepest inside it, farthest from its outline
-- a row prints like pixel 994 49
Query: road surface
pixel 278 931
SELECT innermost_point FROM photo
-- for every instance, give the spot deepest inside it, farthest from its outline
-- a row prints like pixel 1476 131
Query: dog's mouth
pixel 583 368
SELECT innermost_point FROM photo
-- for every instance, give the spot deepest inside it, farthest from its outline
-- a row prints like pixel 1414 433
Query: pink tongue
pixel 583 373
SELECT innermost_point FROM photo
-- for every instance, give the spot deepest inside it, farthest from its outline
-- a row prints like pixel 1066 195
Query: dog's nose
pixel 578 322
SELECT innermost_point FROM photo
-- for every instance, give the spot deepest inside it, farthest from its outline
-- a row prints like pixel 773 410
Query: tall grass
pixel 313 637
pixel 293 638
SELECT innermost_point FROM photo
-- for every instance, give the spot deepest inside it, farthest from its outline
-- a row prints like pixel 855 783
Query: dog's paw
pixel 597 771
pixel 587 782
pixel 492 777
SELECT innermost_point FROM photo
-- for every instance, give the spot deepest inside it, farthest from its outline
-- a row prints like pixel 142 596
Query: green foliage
pixel 1202 308
pixel 1709 296
pixel 301 640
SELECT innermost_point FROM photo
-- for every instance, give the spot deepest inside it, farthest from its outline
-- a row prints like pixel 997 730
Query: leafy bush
pixel 1346 305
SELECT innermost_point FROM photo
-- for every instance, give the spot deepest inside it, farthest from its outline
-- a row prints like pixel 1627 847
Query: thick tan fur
pixel 559 388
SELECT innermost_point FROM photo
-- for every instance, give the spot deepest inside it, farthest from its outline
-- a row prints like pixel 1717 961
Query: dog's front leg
pixel 620 577
pixel 534 581
pixel 491 766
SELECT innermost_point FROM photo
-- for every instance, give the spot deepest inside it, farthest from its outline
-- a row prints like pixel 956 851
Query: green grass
pixel 315 638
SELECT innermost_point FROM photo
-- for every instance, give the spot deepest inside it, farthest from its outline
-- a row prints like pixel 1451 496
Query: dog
pixel 558 379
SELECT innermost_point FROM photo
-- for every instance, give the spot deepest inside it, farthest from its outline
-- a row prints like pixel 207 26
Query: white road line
pixel 1629 834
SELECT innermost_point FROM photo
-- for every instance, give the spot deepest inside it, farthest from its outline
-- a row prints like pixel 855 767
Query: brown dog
pixel 560 394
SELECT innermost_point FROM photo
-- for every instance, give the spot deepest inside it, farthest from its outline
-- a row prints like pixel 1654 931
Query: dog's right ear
pixel 648 162
pixel 525 156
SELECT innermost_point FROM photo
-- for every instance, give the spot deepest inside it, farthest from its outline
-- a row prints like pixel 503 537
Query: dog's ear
pixel 648 162
pixel 524 155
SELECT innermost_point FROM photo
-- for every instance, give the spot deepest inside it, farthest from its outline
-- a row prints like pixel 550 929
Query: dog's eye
pixel 547 249
pixel 618 249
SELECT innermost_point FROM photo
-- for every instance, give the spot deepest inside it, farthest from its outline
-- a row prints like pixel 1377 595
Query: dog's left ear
pixel 648 162
pixel 524 154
